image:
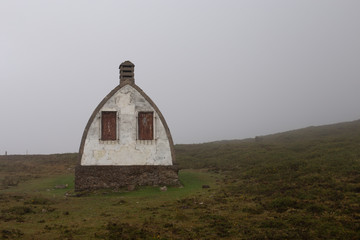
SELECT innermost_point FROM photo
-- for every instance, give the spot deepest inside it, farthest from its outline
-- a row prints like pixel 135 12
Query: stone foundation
pixel 98 177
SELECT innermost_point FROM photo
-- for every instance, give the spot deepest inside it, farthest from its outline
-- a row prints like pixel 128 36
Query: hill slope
pixel 331 142
pixel 301 184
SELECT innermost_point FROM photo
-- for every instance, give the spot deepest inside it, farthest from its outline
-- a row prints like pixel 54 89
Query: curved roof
pixel 101 104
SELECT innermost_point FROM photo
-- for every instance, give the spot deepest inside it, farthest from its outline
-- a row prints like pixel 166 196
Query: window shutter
pixel 146 125
pixel 108 125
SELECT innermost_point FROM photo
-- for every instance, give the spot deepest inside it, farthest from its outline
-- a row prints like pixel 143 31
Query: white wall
pixel 126 150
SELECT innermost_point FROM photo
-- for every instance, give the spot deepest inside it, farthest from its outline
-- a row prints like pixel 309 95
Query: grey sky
pixel 216 69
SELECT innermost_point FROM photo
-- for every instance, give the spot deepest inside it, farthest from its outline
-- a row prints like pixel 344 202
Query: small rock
pixel 131 187
pixel 62 186
pixel 164 188
pixel 205 186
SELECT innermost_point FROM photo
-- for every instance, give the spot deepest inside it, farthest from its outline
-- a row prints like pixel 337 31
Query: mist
pixel 216 69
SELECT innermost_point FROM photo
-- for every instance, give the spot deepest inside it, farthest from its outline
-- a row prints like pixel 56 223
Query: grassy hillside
pixel 337 141
pixel 302 184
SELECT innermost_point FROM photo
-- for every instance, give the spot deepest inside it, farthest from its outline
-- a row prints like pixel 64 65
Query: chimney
pixel 127 72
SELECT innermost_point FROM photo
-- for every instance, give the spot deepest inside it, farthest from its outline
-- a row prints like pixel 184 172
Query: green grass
pixel 36 208
pixel 302 184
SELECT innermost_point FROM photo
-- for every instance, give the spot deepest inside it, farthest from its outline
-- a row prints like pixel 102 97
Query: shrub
pixel 219 224
pixel 18 210
pixel 11 233
pixel 125 231
pixel 39 201
pixel 282 204
pixel 315 209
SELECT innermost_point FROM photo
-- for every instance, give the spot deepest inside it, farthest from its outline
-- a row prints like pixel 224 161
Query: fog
pixel 216 69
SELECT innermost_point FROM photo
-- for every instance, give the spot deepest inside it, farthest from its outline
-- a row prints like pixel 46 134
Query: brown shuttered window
pixel 146 125
pixel 108 126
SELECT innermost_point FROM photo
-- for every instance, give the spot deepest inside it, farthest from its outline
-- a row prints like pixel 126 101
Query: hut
pixel 126 141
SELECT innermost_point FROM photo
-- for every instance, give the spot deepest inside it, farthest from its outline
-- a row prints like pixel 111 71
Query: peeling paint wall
pixel 127 150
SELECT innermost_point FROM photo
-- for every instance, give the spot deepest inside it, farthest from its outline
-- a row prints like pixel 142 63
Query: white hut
pixel 126 141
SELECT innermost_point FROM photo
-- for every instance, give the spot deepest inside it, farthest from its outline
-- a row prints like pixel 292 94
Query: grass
pixel 302 184
pixel 36 208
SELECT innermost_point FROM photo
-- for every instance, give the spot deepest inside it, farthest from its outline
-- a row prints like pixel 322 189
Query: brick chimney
pixel 127 72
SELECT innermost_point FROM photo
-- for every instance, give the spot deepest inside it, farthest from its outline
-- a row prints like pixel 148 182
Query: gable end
pixel 106 99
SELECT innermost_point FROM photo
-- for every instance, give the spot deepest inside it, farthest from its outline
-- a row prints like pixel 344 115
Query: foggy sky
pixel 216 69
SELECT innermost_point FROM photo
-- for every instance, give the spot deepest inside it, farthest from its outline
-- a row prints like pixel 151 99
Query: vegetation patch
pixel 301 184
pixel 39 200
pixel 11 233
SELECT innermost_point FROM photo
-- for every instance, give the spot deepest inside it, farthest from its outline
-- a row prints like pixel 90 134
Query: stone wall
pixel 99 177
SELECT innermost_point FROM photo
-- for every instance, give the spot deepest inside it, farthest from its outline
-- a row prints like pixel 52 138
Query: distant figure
pixel 5 153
